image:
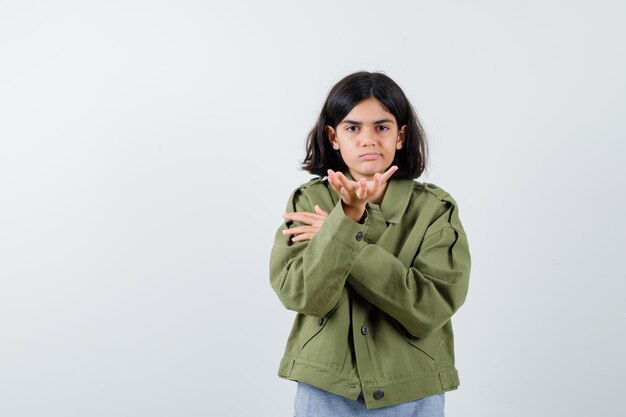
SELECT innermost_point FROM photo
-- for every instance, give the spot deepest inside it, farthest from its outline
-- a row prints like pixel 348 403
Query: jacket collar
pixel 395 200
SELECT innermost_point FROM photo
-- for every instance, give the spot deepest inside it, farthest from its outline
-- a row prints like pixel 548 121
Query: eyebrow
pixel 354 122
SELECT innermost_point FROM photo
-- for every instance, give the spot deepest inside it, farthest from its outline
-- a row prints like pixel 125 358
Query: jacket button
pixel 378 394
pixel 365 330
pixel 359 236
pixel 320 321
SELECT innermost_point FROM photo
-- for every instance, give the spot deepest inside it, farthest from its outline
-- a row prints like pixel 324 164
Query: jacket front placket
pixel 364 348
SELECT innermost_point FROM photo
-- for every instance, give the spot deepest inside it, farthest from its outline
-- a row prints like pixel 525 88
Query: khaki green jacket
pixel 374 300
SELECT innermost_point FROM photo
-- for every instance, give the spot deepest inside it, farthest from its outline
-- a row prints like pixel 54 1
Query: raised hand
pixel 313 220
pixel 356 194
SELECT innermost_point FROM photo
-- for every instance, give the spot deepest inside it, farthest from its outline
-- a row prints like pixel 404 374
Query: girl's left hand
pixel 314 220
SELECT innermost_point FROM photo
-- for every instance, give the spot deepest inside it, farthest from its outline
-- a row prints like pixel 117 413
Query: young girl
pixel 374 262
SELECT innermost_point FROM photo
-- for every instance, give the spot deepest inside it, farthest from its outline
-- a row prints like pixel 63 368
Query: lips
pixel 370 156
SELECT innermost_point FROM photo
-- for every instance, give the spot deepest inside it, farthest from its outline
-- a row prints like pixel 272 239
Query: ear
pixel 332 137
pixel 401 137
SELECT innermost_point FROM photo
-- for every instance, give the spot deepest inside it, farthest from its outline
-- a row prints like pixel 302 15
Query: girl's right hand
pixel 356 194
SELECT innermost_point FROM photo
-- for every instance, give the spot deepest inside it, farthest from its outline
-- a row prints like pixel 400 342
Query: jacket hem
pixel 395 392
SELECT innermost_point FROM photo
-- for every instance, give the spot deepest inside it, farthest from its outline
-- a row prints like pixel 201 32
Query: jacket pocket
pixel 430 345
pixel 312 326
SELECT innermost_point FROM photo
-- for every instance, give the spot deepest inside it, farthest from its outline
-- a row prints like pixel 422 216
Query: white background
pixel 147 150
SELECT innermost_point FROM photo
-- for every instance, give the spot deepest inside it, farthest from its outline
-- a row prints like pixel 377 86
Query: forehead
pixel 369 111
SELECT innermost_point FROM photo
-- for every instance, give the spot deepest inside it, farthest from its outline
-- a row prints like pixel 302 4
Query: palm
pixel 358 193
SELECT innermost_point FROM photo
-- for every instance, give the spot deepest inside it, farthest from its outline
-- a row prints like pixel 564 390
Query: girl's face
pixel 367 139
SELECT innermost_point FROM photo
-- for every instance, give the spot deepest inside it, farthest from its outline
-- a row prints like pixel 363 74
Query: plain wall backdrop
pixel 148 148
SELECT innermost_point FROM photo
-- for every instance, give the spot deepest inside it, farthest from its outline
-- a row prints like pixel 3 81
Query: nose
pixel 368 137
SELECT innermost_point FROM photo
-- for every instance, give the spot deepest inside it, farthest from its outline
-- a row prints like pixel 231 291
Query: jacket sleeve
pixel 309 276
pixel 424 296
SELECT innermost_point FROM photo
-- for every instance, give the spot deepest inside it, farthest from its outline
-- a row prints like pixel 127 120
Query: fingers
pixel 313 222
pixel 304 217
pixel 302 232
pixel 300 229
pixel 351 191
pixel 334 181
pixel 387 174
pixel 341 184
pixel 304 236
pixel 346 183
pixel 361 190
pixel 380 179
pixel 377 183
pixel 319 211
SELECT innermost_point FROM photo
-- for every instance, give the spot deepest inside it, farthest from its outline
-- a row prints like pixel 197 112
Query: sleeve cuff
pixel 345 229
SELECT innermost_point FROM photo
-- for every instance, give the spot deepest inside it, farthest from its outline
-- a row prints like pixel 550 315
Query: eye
pixel 383 128
pixel 350 128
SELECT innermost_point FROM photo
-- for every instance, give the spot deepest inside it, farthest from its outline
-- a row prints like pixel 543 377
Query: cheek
pixel 345 155
pixel 392 153
pixel 391 148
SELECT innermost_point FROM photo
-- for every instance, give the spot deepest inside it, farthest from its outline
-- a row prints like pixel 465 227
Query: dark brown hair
pixel 411 159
